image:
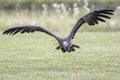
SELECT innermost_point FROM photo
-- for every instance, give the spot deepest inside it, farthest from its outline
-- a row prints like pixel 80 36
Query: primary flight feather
pixel 65 44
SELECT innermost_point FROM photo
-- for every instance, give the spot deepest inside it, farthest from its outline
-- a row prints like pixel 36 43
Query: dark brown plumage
pixel 65 44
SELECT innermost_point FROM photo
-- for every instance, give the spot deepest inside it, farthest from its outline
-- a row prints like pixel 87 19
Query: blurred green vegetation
pixel 13 4
pixel 25 12
pixel 54 21
pixel 33 56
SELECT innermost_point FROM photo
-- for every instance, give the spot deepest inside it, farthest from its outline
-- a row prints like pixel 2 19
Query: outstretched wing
pixel 91 18
pixel 28 29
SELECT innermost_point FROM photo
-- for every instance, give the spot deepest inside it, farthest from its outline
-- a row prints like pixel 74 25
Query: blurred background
pixel 34 57
pixel 55 14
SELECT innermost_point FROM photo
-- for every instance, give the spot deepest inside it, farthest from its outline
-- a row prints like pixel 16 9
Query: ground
pixel 34 57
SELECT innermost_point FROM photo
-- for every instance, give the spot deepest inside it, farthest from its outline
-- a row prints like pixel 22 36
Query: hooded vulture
pixel 65 44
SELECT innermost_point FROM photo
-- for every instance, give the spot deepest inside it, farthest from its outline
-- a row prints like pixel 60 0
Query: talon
pixel 69 50
pixel 76 46
pixel 58 47
pixel 73 49
pixel 63 50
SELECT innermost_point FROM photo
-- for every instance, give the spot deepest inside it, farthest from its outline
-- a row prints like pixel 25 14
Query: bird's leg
pixel 70 50
pixel 58 47
pixel 75 46
pixel 63 50
pixel 72 47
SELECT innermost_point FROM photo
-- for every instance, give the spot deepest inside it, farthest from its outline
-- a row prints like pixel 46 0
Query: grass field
pixel 33 57
pixel 54 21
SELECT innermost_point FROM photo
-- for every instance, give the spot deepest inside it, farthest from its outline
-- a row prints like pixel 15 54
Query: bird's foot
pixel 75 46
pixel 58 47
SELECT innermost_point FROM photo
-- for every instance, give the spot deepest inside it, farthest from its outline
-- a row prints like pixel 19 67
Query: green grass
pixel 37 4
pixel 33 57
pixel 54 21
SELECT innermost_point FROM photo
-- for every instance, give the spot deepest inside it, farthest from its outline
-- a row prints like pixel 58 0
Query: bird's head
pixel 66 46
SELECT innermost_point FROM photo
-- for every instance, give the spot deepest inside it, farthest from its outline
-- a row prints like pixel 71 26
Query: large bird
pixel 65 44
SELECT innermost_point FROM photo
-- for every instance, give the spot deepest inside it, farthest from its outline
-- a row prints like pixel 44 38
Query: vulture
pixel 65 44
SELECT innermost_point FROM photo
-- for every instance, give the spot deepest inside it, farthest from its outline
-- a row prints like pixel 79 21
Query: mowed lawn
pixel 34 57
